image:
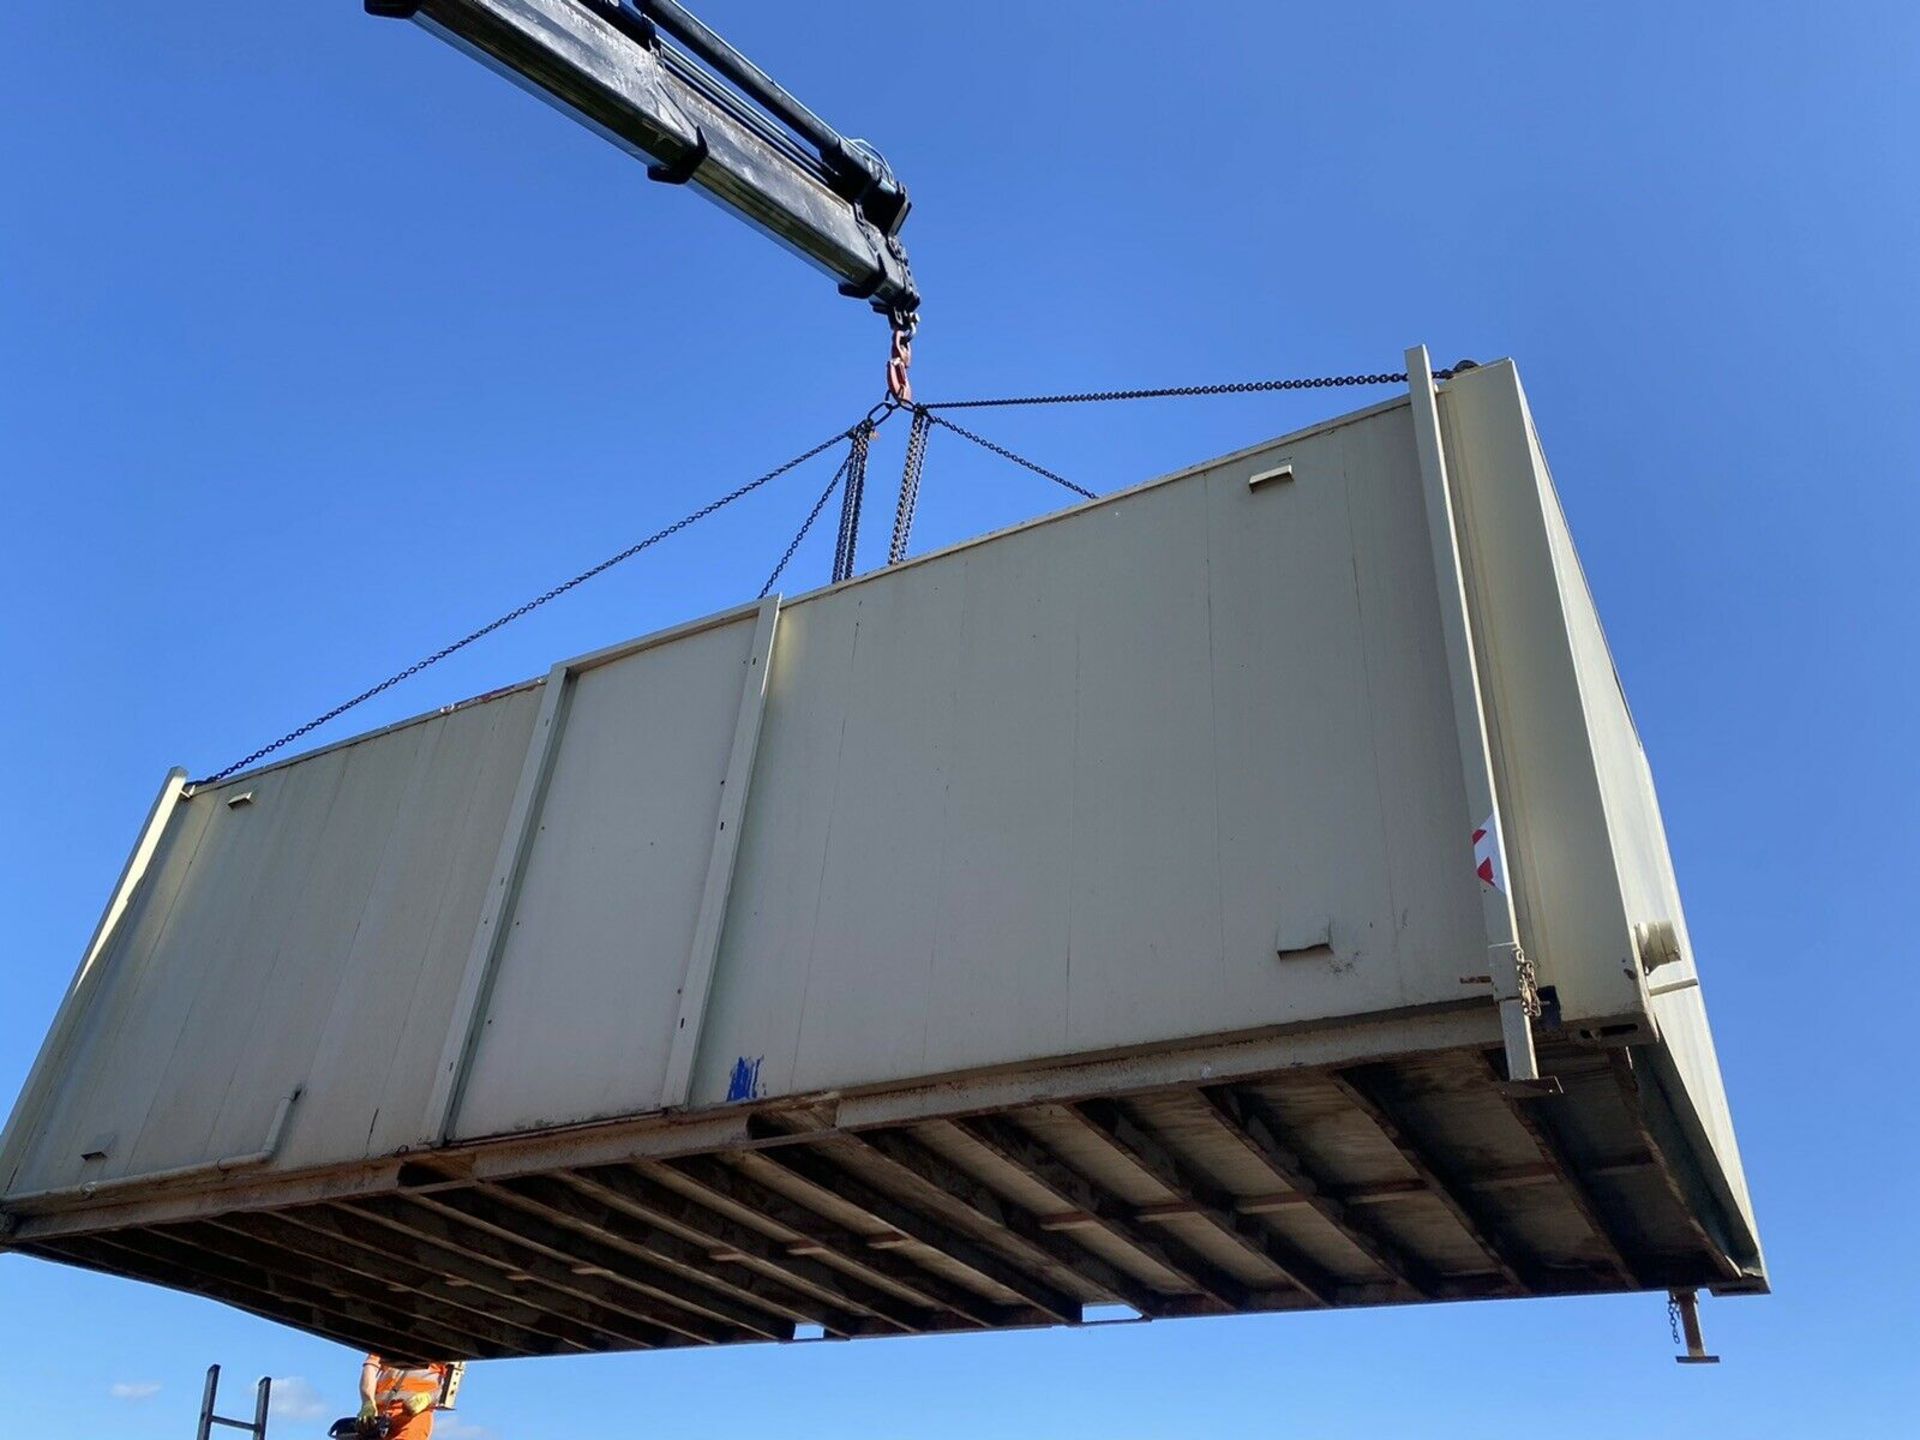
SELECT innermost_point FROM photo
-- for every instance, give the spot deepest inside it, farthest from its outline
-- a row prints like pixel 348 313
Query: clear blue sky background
pixel 319 343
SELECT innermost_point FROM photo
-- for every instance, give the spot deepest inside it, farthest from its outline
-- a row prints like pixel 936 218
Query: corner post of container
pixel 1481 831
pixel 21 1124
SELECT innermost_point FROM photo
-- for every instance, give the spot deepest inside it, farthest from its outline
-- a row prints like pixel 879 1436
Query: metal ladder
pixel 257 1427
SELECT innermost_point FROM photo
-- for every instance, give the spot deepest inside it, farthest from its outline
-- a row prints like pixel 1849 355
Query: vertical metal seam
pixel 703 957
pixel 483 957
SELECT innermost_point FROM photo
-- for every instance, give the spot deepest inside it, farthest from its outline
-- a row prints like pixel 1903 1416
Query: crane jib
pixel 752 147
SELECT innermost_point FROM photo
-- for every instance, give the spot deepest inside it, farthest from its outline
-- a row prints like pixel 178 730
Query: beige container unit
pixel 1087 914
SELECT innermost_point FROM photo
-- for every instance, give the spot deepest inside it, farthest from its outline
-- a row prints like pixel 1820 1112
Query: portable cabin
pixel 1242 892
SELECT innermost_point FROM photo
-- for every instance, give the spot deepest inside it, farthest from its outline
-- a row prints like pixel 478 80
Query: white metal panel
pixel 283 981
pixel 275 945
pixel 1591 859
pixel 67 1124
pixel 373 1051
pixel 1564 871
pixel 166 1074
pixel 1146 950
pixel 88 978
pixel 580 1016
pixel 1061 792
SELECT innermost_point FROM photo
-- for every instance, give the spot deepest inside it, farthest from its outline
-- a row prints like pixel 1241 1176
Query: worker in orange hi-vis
pixel 403 1395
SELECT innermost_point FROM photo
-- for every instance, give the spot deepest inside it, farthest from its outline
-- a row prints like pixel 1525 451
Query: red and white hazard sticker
pixel 1488 861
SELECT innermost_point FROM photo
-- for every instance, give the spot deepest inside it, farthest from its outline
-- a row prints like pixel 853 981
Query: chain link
pixel 1005 453
pixel 1528 983
pixel 852 499
pixel 522 610
pixel 1673 1317
pixel 1231 387
pixel 806 525
pixel 909 486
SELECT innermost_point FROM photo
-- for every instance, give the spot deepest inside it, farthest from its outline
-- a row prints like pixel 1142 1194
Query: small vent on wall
pixel 1278 474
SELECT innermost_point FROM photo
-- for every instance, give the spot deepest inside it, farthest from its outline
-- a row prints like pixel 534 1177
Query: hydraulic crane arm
pixel 746 143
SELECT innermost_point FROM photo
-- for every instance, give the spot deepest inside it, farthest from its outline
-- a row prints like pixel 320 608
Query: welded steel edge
pixel 591 69
pixel 663 1135
pixel 27 1109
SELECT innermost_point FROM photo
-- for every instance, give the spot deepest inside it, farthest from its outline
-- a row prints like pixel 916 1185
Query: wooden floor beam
pixel 1607 1229
pixel 174 1260
pixel 1375 1091
pixel 1096 1207
pixel 941 1182
pixel 655 1204
pixel 818 1171
pixel 863 1254
pixel 528 1234
pixel 375 1262
pixel 1126 1137
pixel 564 1286
pixel 1264 1136
pixel 88 1253
pixel 683 1273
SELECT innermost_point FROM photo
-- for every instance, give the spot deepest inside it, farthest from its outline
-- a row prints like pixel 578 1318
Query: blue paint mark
pixel 744 1082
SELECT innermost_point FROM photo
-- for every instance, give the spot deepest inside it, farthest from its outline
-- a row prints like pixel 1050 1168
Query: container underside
pixel 1394 1181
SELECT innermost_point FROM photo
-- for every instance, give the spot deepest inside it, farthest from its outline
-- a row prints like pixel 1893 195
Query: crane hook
pixel 900 355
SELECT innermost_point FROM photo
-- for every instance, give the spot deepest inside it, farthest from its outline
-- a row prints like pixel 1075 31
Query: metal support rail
pixel 95 1189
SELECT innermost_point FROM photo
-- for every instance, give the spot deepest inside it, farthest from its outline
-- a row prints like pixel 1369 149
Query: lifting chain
pixel 806 525
pixel 851 499
pixel 1528 983
pixel 909 485
pixel 1004 453
pixel 516 613
pixel 900 355
pixel 1230 387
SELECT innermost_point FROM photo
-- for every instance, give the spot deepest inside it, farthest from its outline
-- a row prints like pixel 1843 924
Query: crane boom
pixel 745 143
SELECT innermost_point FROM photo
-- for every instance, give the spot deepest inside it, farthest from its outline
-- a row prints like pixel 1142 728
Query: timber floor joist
pixel 1390 1182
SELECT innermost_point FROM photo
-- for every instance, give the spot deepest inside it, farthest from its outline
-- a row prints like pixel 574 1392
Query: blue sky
pixel 319 344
